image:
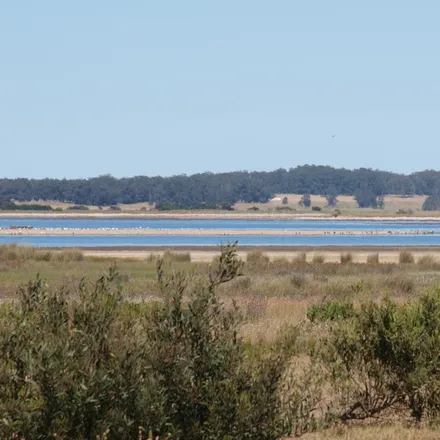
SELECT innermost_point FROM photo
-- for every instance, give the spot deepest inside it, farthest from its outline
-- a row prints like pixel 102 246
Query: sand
pixel 207 232
pixel 331 256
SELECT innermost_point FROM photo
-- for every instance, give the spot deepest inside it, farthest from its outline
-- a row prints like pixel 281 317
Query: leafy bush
pixel 114 208
pixel 96 365
pixel 387 357
pixel 331 311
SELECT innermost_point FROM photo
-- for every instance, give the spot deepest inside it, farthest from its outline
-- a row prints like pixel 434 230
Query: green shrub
pixel 77 369
pixel 331 311
pixel 386 357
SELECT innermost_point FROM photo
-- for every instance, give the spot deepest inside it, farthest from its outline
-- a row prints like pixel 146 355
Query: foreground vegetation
pixel 221 351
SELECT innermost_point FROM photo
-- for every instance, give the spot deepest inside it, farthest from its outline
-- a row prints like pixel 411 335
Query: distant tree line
pixel 224 189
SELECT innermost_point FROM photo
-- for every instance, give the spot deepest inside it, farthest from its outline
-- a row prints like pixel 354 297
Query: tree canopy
pixel 213 189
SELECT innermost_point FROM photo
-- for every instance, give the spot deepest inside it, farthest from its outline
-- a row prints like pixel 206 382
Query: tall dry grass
pixel 18 255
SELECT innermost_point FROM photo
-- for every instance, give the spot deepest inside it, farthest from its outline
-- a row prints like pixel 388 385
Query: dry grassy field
pixel 346 204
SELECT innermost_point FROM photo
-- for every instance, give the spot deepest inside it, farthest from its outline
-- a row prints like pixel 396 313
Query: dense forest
pixel 212 189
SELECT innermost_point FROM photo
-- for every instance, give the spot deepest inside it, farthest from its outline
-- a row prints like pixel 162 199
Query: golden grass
pixel 374 433
pixel 347 204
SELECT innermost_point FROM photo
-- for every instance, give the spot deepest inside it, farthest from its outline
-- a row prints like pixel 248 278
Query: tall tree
pixel 305 201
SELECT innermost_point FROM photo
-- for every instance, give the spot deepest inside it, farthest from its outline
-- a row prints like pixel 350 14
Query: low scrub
pixel 346 257
pixel 384 358
pixel 256 259
pixel 406 257
pixel 171 257
pixel 318 259
pixel 98 367
pixel 331 311
pixel 6 205
pixel 427 261
pixel 78 208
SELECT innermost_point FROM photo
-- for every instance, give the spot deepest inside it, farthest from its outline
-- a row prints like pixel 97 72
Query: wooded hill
pixel 209 189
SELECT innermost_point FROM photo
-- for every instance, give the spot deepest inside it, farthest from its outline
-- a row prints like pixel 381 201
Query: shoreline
pixel 207 232
pixel 250 248
pixel 206 254
pixel 209 216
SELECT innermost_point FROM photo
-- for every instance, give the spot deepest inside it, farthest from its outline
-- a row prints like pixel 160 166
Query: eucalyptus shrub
pixel 94 366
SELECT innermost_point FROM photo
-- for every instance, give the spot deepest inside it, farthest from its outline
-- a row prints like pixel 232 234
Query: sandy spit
pixel 206 232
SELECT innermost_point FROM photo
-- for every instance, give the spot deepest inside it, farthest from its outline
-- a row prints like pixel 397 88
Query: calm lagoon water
pixel 260 240
pixel 222 224
pixel 184 240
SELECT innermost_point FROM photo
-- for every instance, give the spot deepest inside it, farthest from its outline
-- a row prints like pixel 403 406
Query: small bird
pixel 333 135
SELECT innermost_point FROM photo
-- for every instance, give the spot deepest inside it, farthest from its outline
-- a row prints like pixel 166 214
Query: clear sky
pixel 149 87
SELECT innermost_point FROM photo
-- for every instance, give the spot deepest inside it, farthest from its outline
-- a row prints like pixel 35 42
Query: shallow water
pixel 184 240
pixel 222 224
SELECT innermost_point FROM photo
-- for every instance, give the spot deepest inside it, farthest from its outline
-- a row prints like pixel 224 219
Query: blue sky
pixel 160 88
